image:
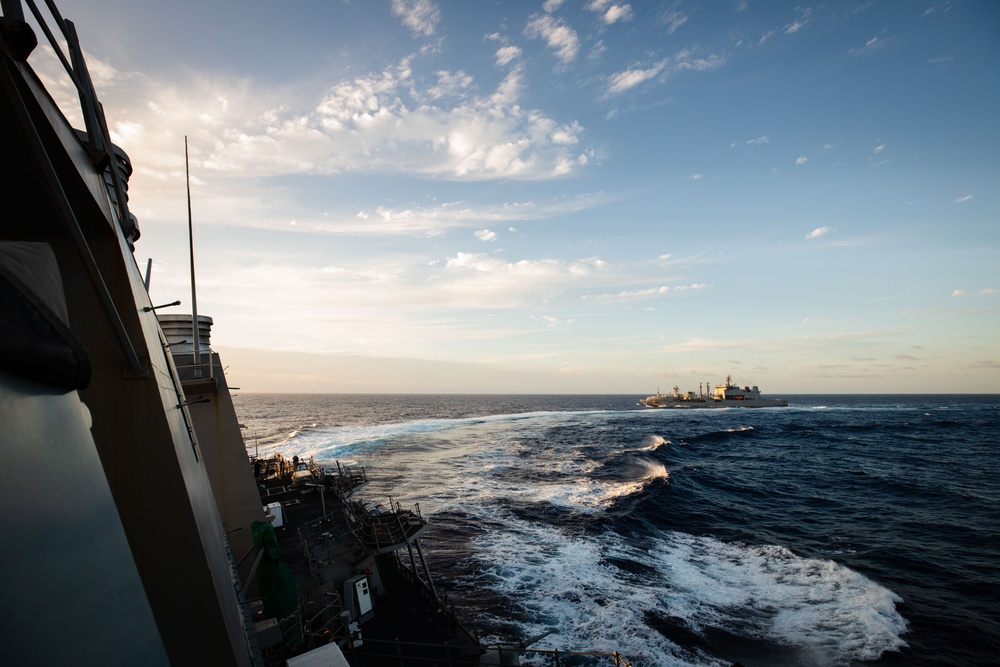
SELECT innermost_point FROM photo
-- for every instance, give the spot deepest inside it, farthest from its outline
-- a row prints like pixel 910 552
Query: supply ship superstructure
pixel 725 395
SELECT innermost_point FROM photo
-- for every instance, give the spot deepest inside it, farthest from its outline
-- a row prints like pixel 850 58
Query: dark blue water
pixel 840 530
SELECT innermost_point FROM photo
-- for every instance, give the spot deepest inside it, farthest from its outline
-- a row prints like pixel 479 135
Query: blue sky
pixel 576 196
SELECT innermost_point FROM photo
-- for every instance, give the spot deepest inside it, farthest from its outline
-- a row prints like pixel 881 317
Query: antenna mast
pixel 194 298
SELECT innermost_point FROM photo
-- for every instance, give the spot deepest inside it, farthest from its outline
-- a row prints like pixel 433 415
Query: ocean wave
pixel 653 442
pixel 801 610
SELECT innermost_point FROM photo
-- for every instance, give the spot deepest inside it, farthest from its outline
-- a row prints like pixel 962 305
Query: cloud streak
pixel 420 16
pixel 560 37
pixel 631 77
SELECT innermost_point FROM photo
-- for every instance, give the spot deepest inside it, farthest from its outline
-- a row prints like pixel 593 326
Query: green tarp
pixel 276 583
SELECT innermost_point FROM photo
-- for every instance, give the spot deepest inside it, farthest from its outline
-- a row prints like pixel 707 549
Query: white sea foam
pixel 328 441
pixel 827 613
pixel 653 442
pixel 598 590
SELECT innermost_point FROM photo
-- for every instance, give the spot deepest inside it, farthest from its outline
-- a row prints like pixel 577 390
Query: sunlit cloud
pixel 479 280
pixel 684 60
pixel 785 344
pixel 420 16
pixel 372 123
pixel 449 215
pixel 450 84
pixel 486 235
pixel 819 231
pixel 630 78
pixel 963 199
pixel 506 54
pixel 611 12
pixel 559 37
pixel 629 294
pixel 802 159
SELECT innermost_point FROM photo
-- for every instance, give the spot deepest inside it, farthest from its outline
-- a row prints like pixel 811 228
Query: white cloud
pixel 617 13
pixel 963 199
pixel 872 45
pixel 420 16
pixel 685 60
pixel 422 221
pixel 480 280
pixel 378 122
pixel 799 23
pixel 622 81
pixel 557 35
pixel 752 142
pixel 879 147
pixel 673 21
pixel 628 294
pixel 802 159
pixel 550 6
pixel 611 12
pixel 986 291
pixel 450 84
pixel 696 177
pixel 486 235
pixel 819 231
pixel 506 54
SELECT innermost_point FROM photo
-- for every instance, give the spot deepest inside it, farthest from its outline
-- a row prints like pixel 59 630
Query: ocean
pixel 841 530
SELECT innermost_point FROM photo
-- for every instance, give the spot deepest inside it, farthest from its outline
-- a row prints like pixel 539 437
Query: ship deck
pixel 327 537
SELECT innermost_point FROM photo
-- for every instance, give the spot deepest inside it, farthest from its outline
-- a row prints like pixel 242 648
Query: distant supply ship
pixel 724 396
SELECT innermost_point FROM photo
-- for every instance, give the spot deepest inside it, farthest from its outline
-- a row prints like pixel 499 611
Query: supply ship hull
pixel 725 395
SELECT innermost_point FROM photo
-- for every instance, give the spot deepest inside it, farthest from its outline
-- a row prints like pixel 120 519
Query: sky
pixel 576 196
